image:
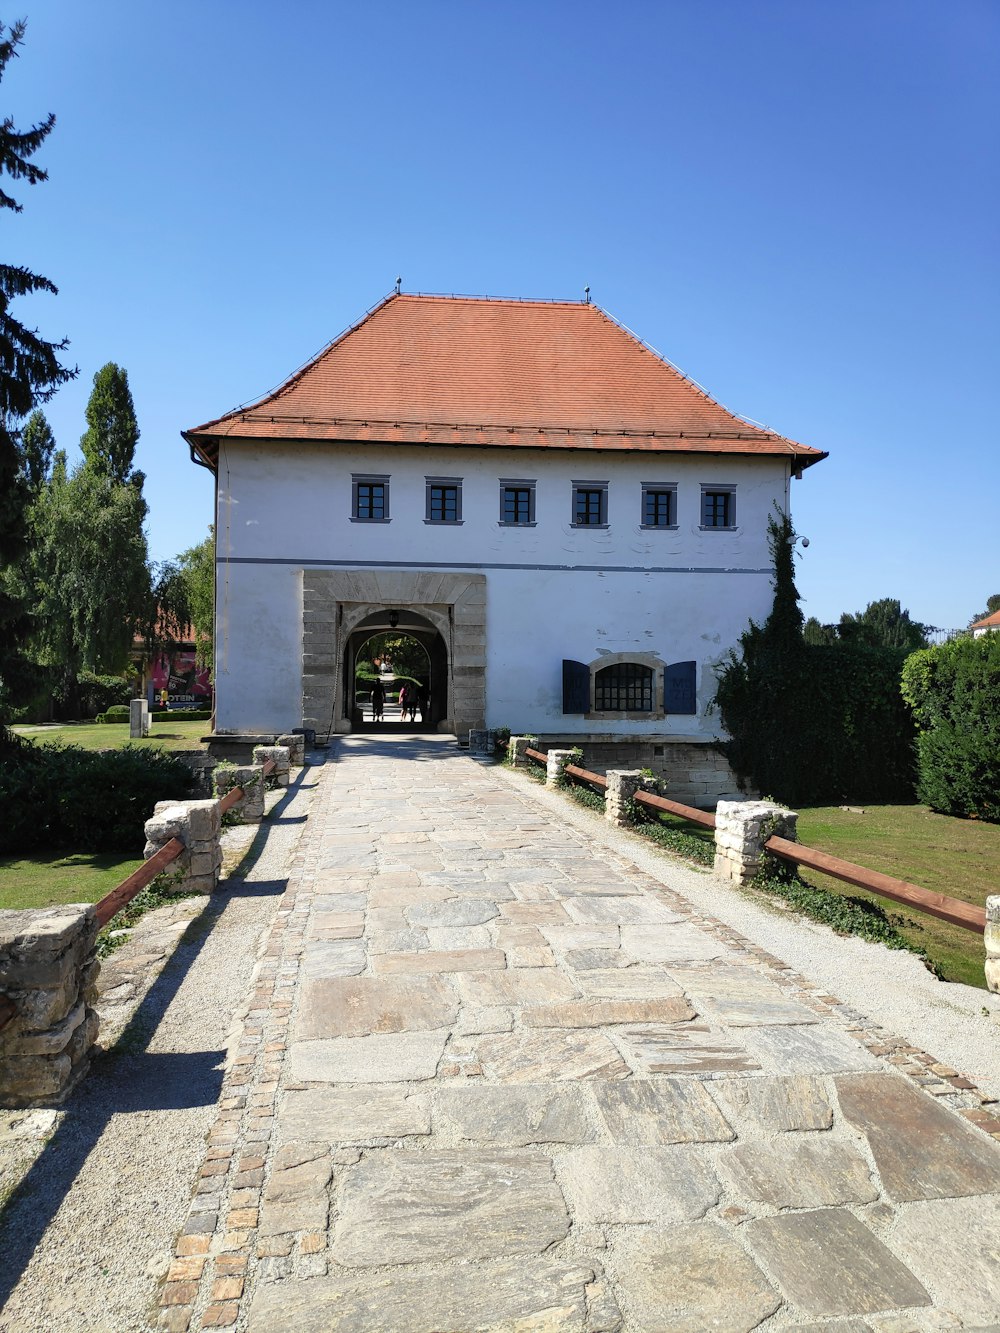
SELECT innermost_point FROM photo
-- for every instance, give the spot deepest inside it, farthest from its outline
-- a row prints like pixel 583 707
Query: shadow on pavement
pixel 129 1079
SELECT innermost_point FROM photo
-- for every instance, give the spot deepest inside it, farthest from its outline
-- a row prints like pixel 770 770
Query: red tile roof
pixel 992 621
pixel 452 370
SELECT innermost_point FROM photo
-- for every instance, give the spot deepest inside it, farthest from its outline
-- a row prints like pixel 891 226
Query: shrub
pixel 57 797
pixel 954 691
pixel 814 725
pixel 99 694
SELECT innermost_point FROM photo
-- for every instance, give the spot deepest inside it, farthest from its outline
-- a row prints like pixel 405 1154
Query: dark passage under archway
pixel 411 653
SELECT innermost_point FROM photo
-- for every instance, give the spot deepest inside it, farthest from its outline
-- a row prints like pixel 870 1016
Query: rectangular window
pixel 659 506
pixel 590 504
pixel 718 507
pixel 370 499
pixel 444 500
pixel 517 503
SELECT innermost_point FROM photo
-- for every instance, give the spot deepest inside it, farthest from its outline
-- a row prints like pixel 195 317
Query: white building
pixel 575 531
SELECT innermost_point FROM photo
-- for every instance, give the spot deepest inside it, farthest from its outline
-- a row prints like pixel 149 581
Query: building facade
pixel 574 531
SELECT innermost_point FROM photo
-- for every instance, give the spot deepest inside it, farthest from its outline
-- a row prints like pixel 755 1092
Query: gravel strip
pixel 959 1025
pixel 100 1208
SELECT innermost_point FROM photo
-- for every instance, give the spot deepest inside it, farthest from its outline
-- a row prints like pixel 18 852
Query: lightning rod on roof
pixel 399 283
pixel 586 294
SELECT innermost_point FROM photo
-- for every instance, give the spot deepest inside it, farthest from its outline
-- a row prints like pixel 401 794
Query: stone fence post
pixel 198 826
pixel 555 765
pixel 623 783
pixel 282 761
pixel 516 747
pixel 993 942
pixel 296 747
pixel 741 829
pixel 250 808
pixel 48 968
pixel 481 741
pixel 138 719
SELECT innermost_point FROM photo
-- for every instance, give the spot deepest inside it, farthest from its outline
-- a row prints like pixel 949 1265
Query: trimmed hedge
pixel 119 715
pixel 954 691
pixel 60 797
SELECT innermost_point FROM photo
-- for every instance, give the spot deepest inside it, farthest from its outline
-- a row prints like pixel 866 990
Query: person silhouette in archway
pixel 378 701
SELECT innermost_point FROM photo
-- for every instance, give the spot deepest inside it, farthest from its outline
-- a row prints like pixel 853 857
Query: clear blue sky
pixel 795 202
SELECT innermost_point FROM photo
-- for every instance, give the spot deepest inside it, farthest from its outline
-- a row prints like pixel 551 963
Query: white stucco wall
pixel 553 591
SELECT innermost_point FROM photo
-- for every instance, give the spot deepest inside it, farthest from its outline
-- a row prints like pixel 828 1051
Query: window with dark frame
pixel 659 507
pixel 444 500
pixel 590 504
pixel 370 499
pixel 518 504
pixel 718 509
pixel 624 687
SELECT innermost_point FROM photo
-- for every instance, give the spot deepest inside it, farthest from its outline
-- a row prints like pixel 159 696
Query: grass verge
pixel 957 857
pixel 113 735
pixel 47 881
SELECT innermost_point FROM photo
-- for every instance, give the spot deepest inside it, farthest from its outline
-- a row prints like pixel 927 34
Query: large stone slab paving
pixel 688 1279
pixel 337 925
pixel 618 911
pixel 749 1011
pixel 352 1115
pixel 547 913
pixel 599 959
pixel 383 1058
pixel 438 960
pixel 515 1116
pixel 619 983
pixel 797 1172
pixel 605 1185
pixel 718 980
pixel 410 1207
pixel 358 1006
pixel 549 1055
pixel 333 958
pixel 921 1148
pixel 694 1049
pixel 953 1246
pixel 453 912
pixel 657 1111
pixel 566 938
pixel 670 944
pixel 775 1105
pixel 525 985
pixel 524 1295
pixel 826 1262
pixel 807 1050
pixel 595 1013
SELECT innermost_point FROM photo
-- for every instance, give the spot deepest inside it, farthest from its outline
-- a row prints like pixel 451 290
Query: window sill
pixel 444 522
pixel 356 519
pixel 502 524
pixel 589 527
pixel 734 528
pixel 659 527
pixel 647 715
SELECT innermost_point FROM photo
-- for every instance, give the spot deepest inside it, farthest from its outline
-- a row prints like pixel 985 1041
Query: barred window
pixel 624 687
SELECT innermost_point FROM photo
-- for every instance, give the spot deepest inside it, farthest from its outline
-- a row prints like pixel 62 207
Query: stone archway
pixel 433 672
pixel 334 604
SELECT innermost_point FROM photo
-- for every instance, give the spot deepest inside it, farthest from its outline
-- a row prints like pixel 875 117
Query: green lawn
pixel 43 881
pixel 958 857
pixel 172 735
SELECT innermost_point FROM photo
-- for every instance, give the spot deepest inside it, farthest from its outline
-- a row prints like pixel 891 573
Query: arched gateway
pixel 444 612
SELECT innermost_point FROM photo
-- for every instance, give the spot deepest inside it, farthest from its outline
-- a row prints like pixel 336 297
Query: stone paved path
pixel 496 1077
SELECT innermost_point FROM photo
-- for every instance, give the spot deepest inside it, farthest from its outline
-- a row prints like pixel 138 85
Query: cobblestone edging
pixel 228 1238
pixel 218 1244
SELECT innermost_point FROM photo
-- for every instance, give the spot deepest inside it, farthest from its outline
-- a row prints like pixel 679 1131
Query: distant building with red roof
pixel 986 625
pixel 574 530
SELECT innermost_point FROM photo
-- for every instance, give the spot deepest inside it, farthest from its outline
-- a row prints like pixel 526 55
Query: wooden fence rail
pixel 122 894
pixel 952 910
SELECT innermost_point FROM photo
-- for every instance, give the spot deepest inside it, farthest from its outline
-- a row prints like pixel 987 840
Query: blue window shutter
pixel 679 695
pixel 576 687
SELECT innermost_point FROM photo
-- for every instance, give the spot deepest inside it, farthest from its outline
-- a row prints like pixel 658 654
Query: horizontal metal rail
pixel 952 910
pixel 585 775
pixel 122 894
pixel 688 812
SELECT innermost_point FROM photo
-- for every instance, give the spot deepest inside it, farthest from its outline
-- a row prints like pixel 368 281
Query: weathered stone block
pixel 296 745
pixel 279 756
pixel 250 777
